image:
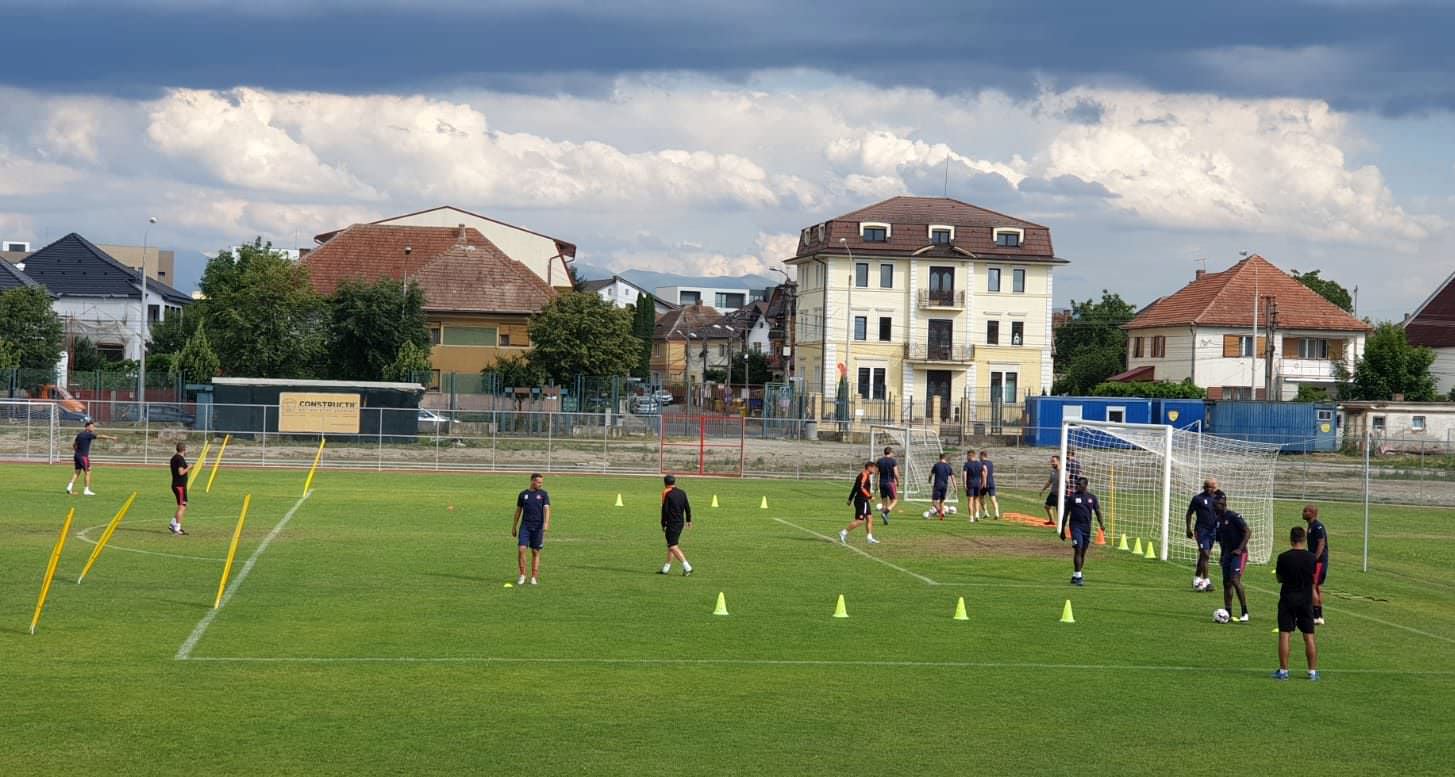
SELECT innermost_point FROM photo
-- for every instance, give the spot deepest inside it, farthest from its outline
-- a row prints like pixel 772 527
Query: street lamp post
pixel 141 273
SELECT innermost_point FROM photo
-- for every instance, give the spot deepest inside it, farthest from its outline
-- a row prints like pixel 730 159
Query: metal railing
pixel 929 298
pixel 935 352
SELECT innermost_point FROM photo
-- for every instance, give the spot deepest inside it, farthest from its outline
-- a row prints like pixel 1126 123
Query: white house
pixel 1433 326
pixel 624 294
pixel 751 327
pixel 1401 426
pixel 724 299
pixel 1205 332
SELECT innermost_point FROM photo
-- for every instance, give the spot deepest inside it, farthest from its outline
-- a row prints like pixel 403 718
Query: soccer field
pixel 368 631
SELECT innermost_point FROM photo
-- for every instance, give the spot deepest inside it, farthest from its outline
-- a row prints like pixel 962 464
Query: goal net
pixel 28 430
pixel 917 449
pixel 1144 475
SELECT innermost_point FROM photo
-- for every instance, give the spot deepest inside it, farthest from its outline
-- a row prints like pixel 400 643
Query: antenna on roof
pixel 947 175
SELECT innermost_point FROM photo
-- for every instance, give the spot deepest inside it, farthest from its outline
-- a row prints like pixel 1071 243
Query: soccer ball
pixel 1221 616
pixel 951 510
pixel 927 513
pixel 879 507
pixel 1201 586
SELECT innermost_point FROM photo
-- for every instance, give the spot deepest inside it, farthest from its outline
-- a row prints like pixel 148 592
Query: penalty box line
pixel 871 557
pixel 184 652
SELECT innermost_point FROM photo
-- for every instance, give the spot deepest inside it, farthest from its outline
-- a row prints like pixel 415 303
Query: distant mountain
pixel 650 280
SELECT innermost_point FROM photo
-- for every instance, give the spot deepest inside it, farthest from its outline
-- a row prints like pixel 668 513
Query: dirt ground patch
pixel 961 546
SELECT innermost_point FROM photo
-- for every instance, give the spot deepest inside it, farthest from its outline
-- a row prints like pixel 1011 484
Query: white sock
pixel 666 567
pixel 871 536
pixel 686 567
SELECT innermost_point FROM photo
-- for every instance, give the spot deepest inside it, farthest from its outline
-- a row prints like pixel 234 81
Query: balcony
pixel 944 300
pixel 1321 370
pixel 927 352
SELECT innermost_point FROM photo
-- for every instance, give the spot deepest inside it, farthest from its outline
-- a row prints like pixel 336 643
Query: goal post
pixel 1141 474
pixel 921 449
pixel 29 430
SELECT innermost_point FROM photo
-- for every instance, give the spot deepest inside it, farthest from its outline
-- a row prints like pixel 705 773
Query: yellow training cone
pixel 714 500
pixel 618 500
pixel 764 505
pixel 960 610
pixel 1066 616
pixel 840 611
pixel 1137 549
pixel 1150 553
pixel 721 604
pixel 1124 545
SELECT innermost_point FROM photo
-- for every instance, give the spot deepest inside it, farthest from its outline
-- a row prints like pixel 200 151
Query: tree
pixel 1310 393
pixel 1329 290
pixel 1391 366
pixel 369 325
pixel 85 357
pixel 1152 389
pixel 31 327
pixel 516 370
pixel 583 334
pixel 9 355
pixel 644 326
pixel 197 361
pixel 1092 346
pixel 266 319
pixel 408 364
pixel 170 335
pixel 758 370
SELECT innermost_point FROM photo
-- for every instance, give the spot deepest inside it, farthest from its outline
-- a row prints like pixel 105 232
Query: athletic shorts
pixel 888 489
pixel 972 488
pixel 1233 565
pixel 83 463
pixel 674 532
pixel 532 536
pixel 1080 535
pixel 937 494
pixel 1321 570
pixel 180 492
pixel 1300 615
pixel 861 508
pixel 987 491
pixel 1051 499
pixel 1205 538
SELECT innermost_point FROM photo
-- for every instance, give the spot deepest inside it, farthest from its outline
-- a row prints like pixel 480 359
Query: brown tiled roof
pixel 911 218
pixel 1433 324
pixel 1133 375
pixel 1226 299
pixel 567 249
pixel 677 324
pixel 457 271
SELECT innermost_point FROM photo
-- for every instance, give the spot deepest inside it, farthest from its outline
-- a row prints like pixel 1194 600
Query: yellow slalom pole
pixel 217 462
pixel 307 484
pixel 106 536
pixel 200 465
pixel 50 569
pixel 232 551
pixel 1113 500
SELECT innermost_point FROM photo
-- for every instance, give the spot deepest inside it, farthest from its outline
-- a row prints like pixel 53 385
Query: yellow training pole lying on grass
pixel 200 465
pixel 217 462
pixel 232 551
pixel 307 484
pixel 50 569
pixel 106 536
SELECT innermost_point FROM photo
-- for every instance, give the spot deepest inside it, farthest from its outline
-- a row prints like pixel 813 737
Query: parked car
pixel 663 396
pixel 432 422
pixel 645 405
pixel 153 414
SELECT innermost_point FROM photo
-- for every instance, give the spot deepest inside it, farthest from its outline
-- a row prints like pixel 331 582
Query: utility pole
pixel 1270 306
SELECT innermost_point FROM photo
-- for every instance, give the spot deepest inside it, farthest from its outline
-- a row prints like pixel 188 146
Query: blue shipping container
pixel 1180 413
pixel 1045 414
pixel 1299 427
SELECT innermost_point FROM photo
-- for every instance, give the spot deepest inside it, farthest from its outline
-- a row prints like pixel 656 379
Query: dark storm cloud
pixel 1383 55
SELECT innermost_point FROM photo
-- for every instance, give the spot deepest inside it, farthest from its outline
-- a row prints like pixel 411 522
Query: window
pixel 941 339
pixel 1017 332
pixel 1116 415
pixel 434 383
pixel 657 350
pixel 1003 387
pixel 154 313
pixel 1378 424
pixel 1136 347
pixel 886 276
pixel 875 234
pixel 1325 416
pixel 434 335
pixel 992 279
pixel 940 236
pixel 722 350
pixel 1235 346
pixel 861 327
pixel 861 275
pixel 732 300
pixel 992 332
pixel 1159 346
pixel 886 329
pixel 757 347
pixel 1417 423
pixel 689 297
pixel 1018 281
pixel 1006 237
pixel 871 383
pixel 942 286
pixel 474 336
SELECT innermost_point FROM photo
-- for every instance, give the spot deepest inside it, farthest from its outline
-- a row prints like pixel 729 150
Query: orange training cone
pixel 1100 536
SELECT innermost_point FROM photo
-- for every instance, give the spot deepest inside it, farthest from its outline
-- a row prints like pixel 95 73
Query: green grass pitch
pixel 373 635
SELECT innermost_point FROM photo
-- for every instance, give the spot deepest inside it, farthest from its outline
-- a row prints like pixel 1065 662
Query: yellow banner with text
pixel 318 413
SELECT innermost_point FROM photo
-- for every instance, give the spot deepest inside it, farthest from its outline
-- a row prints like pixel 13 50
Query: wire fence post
pixel 1368 440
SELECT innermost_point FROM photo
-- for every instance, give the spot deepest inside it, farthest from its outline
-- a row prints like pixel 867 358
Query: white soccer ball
pixel 1221 616
pixel 879 507
pixel 927 513
pixel 951 510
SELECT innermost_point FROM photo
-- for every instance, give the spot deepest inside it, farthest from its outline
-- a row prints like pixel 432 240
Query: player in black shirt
pixel 676 516
pixel 1080 507
pixel 179 469
pixel 1318 544
pixel 1201 507
pixel 81 456
pixel 532 521
pixel 861 497
pixel 888 483
pixel 1296 603
pixel 942 479
pixel 1233 536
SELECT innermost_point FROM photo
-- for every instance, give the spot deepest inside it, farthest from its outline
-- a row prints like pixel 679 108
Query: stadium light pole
pixel 141 276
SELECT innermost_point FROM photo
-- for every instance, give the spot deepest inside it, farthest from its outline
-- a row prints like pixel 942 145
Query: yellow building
pixel 918 299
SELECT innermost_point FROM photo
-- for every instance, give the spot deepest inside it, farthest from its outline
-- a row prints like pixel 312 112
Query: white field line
pixel 1370 618
pixel 835 540
pixel 775 662
pixel 185 651
pixel 81 535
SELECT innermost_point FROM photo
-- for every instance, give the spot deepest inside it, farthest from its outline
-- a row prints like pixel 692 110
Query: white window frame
pixel 888 228
pixel 1070 412
pixel 930 233
pixel 998 231
pixel 1119 410
pixel 1417 423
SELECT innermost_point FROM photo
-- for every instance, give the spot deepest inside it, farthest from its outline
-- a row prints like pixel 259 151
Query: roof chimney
pixel 20 266
pixel 1198 275
pixel 462 233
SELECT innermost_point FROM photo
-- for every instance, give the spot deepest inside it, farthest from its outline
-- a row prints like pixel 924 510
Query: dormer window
pixel 941 234
pixel 872 232
pixel 1009 237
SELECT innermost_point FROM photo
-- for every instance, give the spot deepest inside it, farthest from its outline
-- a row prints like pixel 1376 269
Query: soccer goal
pixel 919 449
pixel 1145 474
pixel 28 430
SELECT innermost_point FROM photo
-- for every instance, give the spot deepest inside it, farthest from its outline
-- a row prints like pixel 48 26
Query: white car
pixel 432 422
pixel 663 396
pixel 645 405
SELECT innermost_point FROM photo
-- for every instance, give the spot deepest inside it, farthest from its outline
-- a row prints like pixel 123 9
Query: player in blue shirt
pixel 1201 507
pixel 1318 544
pixel 987 485
pixel 888 483
pixel 974 475
pixel 532 521
pixel 81 456
pixel 942 479
pixel 1233 535
pixel 1080 507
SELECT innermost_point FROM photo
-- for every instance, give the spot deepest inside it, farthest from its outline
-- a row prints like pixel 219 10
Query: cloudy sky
pixel 700 138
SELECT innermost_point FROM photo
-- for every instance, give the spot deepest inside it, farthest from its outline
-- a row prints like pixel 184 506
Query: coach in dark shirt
pixel 1296 602
pixel 676 516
